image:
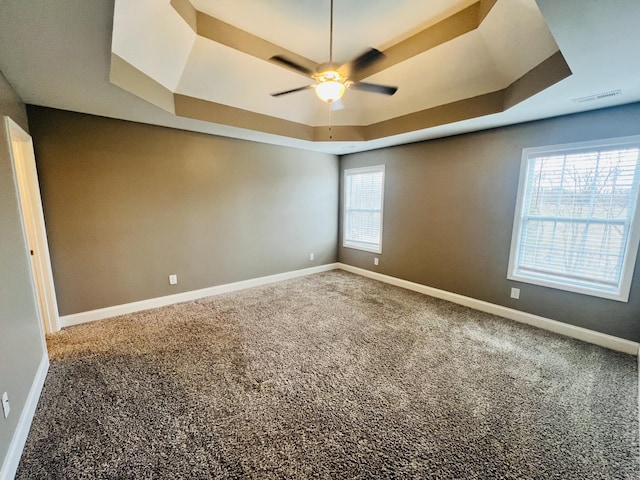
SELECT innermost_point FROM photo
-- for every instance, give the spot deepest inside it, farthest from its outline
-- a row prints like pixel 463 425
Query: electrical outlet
pixel 173 279
pixel 376 260
pixel 6 408
pixel 311 256
pixel 515 293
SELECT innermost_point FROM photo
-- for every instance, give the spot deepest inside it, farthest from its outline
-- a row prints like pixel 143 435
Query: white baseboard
pixel 102 313
pixel 12 459
pixel 590 336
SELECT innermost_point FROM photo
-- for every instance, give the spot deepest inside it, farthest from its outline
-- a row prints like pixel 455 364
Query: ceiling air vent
pixel 598 96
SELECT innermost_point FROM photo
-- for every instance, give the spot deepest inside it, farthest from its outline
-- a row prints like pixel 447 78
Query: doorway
pixel 26 178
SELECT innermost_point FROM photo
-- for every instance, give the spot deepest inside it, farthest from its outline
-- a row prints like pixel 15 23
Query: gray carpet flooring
pixel 330 376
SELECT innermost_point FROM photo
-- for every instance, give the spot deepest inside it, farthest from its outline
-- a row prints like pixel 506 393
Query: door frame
pixel 26 181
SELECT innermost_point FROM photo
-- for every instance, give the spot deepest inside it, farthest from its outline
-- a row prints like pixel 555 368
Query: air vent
pixel 598 96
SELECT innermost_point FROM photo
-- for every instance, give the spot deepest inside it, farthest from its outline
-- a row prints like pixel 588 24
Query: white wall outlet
pixel 311 256
pixel 515 293
pixel 6 408
pixel 173 279
pixel 376 261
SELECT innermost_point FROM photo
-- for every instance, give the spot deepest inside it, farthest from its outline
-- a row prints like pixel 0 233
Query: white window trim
pixel 356 245
pixel 622 294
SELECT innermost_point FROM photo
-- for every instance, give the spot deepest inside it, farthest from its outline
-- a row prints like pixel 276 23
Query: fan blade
pixel 361 62
pixel 291 64
pixel 337 105
pixel 293 90
pixel 374 87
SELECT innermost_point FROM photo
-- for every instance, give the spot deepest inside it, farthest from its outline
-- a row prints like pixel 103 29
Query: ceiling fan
pixel 332 80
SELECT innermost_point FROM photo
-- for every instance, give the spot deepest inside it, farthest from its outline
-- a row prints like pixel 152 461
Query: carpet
pixel 330 376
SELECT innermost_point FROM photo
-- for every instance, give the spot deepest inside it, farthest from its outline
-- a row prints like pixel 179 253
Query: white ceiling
pixel 58 54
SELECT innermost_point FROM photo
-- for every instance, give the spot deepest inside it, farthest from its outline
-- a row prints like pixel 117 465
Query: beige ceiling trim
pixel 473 107
pixel 547 73
pixel 340 133
pixel 226 34
pixel 200 109
pixel 541 77
pixel 129 78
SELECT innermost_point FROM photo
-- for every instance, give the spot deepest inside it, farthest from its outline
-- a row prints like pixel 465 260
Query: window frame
pixel 620 294
pixel 352 243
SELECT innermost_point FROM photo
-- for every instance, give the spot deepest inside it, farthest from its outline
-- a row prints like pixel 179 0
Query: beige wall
pixel 21 348
pixel 448 217
pixel 128 204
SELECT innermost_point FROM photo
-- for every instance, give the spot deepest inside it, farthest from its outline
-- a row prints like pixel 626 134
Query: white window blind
pixel 575 227
pixel 363 200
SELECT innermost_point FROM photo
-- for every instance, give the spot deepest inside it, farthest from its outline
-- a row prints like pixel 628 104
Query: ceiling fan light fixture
pixel 330 82
pixel 330 90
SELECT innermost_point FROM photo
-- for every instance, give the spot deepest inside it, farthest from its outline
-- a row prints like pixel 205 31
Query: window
pixel 363 199
pixel 576 225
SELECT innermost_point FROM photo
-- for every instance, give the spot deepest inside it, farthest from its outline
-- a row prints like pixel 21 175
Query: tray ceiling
pixel 451 60
pixel 172 71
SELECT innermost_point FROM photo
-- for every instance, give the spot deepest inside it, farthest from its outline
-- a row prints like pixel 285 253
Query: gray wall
pixel 21 348
pixel 127 204
pixel 448 217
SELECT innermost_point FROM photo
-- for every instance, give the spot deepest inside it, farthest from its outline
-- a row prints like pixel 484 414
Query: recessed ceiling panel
pixel 303 25
pixel 461 68
pixel 437 54
pixel 149 35
pixel 517 37
pixel 220 74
